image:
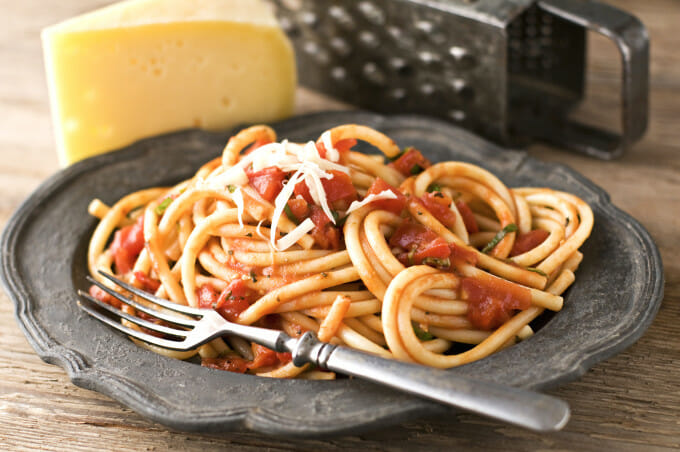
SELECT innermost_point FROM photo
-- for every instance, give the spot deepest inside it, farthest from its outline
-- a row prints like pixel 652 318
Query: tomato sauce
pixel 529 241
pixel 418 243
pixel 396 206
pixel 438 205
pixel 493 301
pixel 268 182
pixel 127 243
pixel 468 217
pixel 229 363
pixel 411 162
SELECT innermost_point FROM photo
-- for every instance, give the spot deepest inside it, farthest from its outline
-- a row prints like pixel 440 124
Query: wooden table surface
pixel 629 402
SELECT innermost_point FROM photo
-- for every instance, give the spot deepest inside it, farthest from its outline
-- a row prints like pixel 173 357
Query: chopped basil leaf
pixel 289 213
pixel 162 207
pixel 535 270
pixel 512 227
pixel 437 262
pixel 422 334
pixel 398 156
pixel 434 187
pixel 231 188
pixel 416 169
pixel 339 222
pixel 411 256
pixel 252 276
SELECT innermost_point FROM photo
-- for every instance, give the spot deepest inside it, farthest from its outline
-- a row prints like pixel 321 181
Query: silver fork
pixel 517 406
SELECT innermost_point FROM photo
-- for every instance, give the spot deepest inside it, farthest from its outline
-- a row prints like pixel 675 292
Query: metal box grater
pixel 511 70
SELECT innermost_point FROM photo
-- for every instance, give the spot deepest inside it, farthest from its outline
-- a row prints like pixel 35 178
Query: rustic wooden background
pixel 630 402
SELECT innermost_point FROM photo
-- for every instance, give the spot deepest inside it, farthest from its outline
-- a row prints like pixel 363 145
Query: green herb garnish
pixel 535 270
pixel 162 207
pixel 512 227
pixel 231 188
pixel 398 156
pixel 252 276
pixel 289 213
pixel 437 262
pixel 339 222
pixel 422 334
pixel 434 187
pixel 416 169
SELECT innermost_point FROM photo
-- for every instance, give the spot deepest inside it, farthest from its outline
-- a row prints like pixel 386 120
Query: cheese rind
pixel 112 85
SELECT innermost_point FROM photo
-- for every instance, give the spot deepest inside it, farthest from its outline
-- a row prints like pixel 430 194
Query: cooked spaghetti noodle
pixel 404 260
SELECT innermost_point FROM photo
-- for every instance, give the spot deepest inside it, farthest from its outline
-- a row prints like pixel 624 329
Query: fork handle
pixel 517 406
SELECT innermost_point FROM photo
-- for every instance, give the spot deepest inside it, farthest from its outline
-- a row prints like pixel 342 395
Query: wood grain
pixel 630 402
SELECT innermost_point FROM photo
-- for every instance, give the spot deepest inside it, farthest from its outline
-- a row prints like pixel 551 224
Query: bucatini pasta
pixel 400 258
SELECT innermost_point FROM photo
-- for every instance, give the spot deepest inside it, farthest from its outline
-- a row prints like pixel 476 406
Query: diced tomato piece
pixel 493 301
pixel 391 205
pixel 104 297
pixel 302 190
pixel 207 296
pixel 233 300
pixel 228 363
pixel 127 243
pixel 324 233
pixel 328 237
pixel 411 162
pixel 438 205
pixel 259 143
pixel 340 187
pixel 148 284
pixel 264 357
pixel 419 242
pixel 468 217
pixel 462 254
pixel 342 146
pixel 529 241
pixel 299 208
pixel 318 216
pixel 268 182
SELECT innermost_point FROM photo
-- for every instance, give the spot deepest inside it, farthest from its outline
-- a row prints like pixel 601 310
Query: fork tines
pixel 149 325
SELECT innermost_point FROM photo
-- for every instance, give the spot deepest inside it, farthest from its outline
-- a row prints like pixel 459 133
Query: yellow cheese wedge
pixel 143 67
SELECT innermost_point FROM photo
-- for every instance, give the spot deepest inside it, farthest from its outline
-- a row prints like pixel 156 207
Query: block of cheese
pixel 143 67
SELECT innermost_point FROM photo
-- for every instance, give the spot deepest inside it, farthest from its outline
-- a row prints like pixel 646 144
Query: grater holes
pixel 292 5
pixel 340 46
pixel 319 54
pixel 341 17
pixel 309 19
pixel 372 13
pixel 400 66
pixel 373 73
pixel 368 39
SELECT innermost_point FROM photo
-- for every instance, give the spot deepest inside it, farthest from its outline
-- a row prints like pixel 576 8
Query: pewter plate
pixel 616 295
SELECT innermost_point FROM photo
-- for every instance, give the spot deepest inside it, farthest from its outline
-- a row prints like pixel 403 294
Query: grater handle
pixel 630 37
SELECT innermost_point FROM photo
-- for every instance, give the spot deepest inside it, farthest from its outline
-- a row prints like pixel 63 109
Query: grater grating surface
pixel 510 70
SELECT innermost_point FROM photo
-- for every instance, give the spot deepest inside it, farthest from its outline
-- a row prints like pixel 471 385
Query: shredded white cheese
pixel 237 197
pixel 296 234
pixel 385 194
pixel 308 167
pixel 332 154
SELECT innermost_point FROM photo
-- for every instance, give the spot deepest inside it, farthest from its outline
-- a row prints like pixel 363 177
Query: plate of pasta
pixel 401 236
